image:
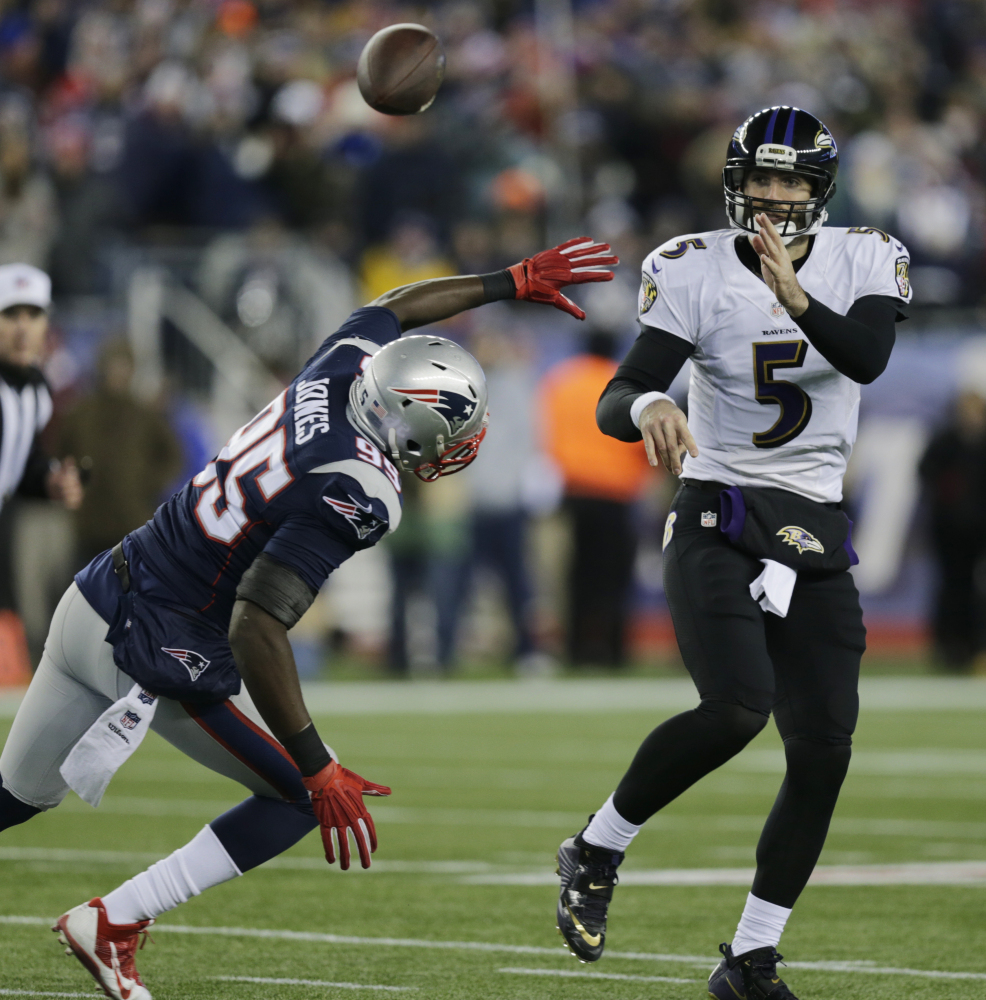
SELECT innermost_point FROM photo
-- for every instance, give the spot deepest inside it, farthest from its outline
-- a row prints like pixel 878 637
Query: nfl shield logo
pixel 130 720
pixel 777 310
pixel 709 519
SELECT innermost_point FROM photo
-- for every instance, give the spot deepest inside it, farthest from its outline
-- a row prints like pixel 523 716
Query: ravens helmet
pixel 422 401
pixel 781 138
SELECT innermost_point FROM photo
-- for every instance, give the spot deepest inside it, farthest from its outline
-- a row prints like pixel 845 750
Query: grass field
pixel 460 901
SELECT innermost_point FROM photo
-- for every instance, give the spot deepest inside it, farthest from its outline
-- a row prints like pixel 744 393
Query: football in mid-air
pixel 400 69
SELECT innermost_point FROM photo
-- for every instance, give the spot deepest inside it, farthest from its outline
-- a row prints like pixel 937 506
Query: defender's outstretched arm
pixel 263 655
pixel 536 279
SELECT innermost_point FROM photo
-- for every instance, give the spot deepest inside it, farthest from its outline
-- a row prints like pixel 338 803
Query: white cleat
pixel 105 949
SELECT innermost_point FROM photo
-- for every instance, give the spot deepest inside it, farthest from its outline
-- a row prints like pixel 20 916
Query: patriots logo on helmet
pixel 803 541
pixel 453 406
pixel 129 720
pixel 195 663
pixel 363 520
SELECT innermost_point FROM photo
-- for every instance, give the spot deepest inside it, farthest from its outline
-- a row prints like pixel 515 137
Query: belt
pixel 121 567
pixel 706 485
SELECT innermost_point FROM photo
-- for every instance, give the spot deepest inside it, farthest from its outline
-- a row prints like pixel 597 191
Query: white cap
pixel 24 285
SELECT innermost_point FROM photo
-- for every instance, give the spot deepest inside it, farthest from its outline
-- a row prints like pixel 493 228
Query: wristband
pixel 642 402
pixel 307 751
pixel 498 285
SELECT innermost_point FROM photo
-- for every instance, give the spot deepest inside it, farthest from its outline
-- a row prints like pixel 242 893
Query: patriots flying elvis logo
pixel 363 520
pixel 453 406
pixel 195 663
pixel 803 541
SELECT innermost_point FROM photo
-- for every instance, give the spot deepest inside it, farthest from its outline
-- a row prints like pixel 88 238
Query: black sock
pixel 795 831
pixel 12 810
pixel 679 752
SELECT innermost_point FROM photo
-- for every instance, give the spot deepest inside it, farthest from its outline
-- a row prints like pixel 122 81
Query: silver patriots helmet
pixel 422 401
pixel 781 138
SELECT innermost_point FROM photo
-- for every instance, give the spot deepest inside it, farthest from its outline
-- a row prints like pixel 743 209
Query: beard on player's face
pixel 775 193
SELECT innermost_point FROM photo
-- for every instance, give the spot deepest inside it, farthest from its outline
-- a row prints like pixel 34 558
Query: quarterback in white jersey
pixel 783 319
pixel 763 407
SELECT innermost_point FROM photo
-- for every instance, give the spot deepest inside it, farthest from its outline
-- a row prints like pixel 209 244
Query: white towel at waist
pixel 772 589
pixel 107 744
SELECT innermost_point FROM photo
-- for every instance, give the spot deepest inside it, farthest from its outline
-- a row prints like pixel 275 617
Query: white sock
pixel 609 829
pixel 202 863
pixel 761 925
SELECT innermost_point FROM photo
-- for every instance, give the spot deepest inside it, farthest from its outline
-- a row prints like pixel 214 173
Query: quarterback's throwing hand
pixel 539 278
pixel 337 798
pixel 666 434
pixel 777 269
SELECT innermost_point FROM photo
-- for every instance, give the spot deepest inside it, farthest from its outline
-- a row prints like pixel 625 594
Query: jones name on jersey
pixel 298 483
pixel 765 408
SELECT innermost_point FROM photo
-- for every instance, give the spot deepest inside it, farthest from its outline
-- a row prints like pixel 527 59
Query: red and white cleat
pixel 105 949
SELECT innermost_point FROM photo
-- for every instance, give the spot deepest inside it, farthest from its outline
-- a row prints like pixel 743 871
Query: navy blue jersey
pixel 298 482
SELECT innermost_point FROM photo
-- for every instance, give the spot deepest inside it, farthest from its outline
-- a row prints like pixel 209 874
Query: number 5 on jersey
pixel 794 402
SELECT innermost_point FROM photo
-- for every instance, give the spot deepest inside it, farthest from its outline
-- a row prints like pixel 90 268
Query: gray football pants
pixel 76 682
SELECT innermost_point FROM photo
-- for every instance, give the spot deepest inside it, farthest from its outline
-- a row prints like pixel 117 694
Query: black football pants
pixel 746 664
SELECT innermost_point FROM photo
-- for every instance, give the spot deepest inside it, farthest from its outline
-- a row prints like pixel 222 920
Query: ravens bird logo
pixel 195 663
pixel 363 520
pixel 803 541
pixel 455 408
pixel 648 293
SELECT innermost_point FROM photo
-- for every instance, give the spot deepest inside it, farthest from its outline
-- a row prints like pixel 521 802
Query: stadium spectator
pixel 27 201
pixel 501 485
pixel 26 470
pixel 129 449
pixel 603 477
pixel 428 558
pixel 954 471
pixel 410 254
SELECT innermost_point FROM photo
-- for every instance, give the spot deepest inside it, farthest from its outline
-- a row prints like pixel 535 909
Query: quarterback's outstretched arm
pixel 537 279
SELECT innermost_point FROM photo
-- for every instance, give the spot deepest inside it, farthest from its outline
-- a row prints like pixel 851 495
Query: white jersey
pixel 765 408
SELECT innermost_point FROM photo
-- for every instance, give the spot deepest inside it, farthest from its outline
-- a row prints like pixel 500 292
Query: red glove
pixel 538 278
pixel 336 795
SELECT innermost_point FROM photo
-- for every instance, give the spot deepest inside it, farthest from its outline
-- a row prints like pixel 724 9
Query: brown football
pixel 400 69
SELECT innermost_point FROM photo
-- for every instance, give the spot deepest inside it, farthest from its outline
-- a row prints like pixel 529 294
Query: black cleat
pixel 588 877
pixel 752 976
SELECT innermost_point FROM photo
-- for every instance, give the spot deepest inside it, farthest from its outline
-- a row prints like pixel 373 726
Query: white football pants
pixel 76 682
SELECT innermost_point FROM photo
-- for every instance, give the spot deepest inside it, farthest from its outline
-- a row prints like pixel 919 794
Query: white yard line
pixel 570 974
pixel 932 873
pixel 661 696
pixel 556 820
pixel 935 761
pixel 486 873
pixel 57 855
pixel 36 993
pixel 309 982
pixel 513 949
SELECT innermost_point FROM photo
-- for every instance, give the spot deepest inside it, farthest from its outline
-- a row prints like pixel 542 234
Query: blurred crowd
pixel 230 134
pixel 123 119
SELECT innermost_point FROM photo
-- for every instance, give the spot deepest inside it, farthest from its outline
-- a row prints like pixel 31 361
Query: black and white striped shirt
pixel 25 409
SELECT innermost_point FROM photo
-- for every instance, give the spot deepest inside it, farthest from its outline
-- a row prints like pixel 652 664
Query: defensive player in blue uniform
pixel 158 632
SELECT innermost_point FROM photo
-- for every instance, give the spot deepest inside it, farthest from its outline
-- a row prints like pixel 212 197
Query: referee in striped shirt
pixel 25 403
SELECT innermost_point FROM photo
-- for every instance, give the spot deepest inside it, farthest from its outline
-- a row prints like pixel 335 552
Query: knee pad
pixel 742 723
pixel 12 810
pixel 817 763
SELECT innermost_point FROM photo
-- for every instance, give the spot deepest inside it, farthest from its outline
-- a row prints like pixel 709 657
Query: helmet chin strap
pixel 395 454
pixel 788 239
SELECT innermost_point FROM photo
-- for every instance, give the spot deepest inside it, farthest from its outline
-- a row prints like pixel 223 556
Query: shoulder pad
pixel 379 481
